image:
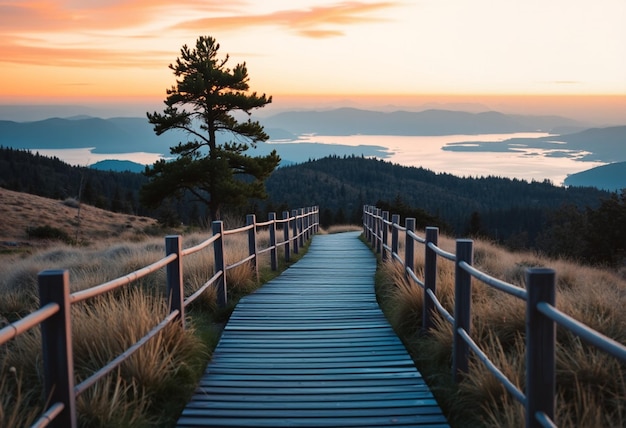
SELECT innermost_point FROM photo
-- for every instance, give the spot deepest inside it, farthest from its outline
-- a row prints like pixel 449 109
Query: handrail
pixel 202 245
pixel 539 295
pixel 440 252
pixel 511 289
pixel 240 229
pixel 56 300
pixel 510 386
pixel 52 412
pixel 204 286
pixel 31 320
pixel 79 296
pixel 113 364
pixel 586 333
pixel 443 311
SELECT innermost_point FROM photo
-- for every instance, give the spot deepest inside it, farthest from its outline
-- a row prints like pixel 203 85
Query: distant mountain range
pixel 351 121
pixel 122 135
pixel 116 135
pixel 135 134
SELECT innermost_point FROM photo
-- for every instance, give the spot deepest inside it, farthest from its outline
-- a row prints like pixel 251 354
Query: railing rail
pixel 55 301
pixel 542 316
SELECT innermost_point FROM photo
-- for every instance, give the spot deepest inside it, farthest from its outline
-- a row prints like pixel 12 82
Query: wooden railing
pixel 56 300
pixel 542 316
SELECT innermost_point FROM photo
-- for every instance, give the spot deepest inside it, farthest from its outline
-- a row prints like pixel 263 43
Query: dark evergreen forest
pixel 582 223
pixel 23 171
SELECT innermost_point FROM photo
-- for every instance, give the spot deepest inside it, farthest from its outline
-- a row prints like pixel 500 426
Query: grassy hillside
pixel 23 213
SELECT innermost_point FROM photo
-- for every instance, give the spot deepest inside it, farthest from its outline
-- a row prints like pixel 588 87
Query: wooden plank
pixel 312 349
pixel 311 413
pixel 312 400
pixel 393 421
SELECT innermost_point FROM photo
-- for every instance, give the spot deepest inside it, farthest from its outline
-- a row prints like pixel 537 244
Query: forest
pixel 581 223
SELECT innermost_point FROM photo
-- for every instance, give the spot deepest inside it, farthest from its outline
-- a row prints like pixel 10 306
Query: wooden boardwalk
pixel 311 348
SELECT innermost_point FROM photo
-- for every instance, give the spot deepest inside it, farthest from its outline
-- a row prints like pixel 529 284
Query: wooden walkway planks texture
pixel 311 348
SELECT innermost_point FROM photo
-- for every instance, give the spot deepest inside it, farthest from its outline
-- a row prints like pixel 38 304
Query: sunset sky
pixel 393 52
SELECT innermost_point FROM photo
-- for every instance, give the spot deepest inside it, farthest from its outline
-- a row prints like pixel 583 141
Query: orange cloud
pixel 309 23
pixel 321 34
pixel 76 33
pixel 72 15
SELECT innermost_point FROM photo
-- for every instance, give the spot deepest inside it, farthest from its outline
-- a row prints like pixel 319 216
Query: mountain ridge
pixel 353 121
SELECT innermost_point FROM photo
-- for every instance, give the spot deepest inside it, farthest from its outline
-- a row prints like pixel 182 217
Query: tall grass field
pixel 591 385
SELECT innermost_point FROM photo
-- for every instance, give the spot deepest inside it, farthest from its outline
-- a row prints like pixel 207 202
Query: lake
pixel 425 151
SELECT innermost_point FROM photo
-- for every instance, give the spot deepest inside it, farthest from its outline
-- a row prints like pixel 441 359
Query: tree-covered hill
pixel 505 207
pixel 610 177
pixel 23 171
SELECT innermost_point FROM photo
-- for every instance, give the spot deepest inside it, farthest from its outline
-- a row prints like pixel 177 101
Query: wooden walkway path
pixel 311 348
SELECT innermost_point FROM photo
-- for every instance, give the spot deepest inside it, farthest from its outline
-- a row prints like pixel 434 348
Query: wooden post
pixel 273 252
pixel 56 339
pixel 395 219
pixel 220 265
pixel 307 223
pixel 367 221
pixel 370 224
pixel 300 228
pixel 430 279
pixel 462 308
pixel 251 221
pixel 174 277
pixel 409 245
pixel 364 221
pixel 303 229
pixel 286 236
pixel 385 243
pixel 376 234
pixel 294 223
pixel 317 219
pixel 540 347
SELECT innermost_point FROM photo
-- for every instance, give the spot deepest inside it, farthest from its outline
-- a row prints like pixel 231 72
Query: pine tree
pixel 202 103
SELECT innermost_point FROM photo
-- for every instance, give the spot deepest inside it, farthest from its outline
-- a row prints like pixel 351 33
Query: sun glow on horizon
pixel 333 49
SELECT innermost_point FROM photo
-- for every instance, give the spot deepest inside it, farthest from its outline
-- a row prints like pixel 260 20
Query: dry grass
pixel 339 228
pixel 591 385
pixel 21 211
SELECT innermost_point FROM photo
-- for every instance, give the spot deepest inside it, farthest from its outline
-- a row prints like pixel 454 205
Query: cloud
pixel 72 15
pixel 312 22
pixel 83 57
pixel 76 33
pixel 320 34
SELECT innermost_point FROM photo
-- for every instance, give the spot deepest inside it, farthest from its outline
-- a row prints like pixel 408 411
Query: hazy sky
pixel 53 50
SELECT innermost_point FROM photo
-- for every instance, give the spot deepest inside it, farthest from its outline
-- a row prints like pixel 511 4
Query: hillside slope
pixel 21 211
